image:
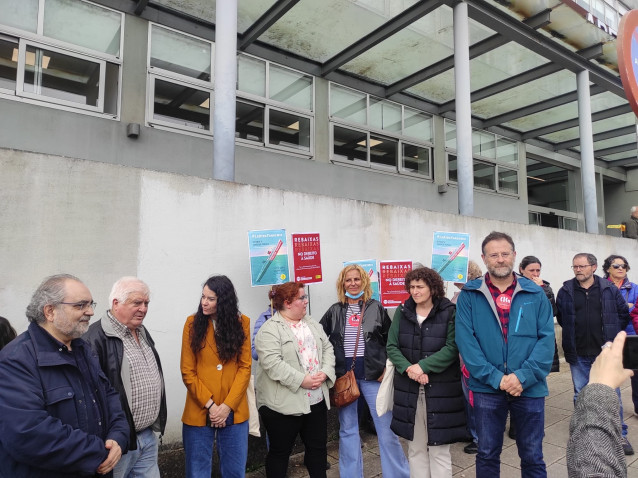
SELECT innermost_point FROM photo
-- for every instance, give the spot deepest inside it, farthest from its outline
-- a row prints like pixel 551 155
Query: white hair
pixel 126 286
pixel 633 209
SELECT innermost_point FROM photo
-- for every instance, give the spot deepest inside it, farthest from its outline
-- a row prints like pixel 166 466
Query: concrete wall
pixel 101 221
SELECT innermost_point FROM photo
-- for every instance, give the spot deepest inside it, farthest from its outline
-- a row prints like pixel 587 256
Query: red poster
pixel 392 280
pixel 306 254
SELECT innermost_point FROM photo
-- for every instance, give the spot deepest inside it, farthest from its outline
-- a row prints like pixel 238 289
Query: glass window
pixel 182 105
pixel 507 181
pixel 385 115
pixel 349 144
pixel 416 159
pixel 180 54
pixel 111 90
pixel 450 134
pixel 251 75
pixel 483 144
pixel 8 63
pixel 249 123
pixel 507 151
pixel 417 125
pixel 63 77
pixel 83 24
pixel 289 130
pixel 570 224
pixel 348 104
pixel 383 151
pixel 290 87
pixel 452 166
pixel 22 14
pixel 484 175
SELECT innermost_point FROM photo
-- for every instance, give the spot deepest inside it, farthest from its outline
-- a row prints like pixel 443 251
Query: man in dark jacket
pixel 631 227
pixel 59 416
pixel 128 357
pixel 591 311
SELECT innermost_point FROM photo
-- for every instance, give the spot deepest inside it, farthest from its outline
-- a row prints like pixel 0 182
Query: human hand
pixel 218 415
pixel 512 385
pixel 115 453
pixel 608 369
pixel 414 371
pixel 423 379
pixel 320 376
pixel 537 281
pixel 312 382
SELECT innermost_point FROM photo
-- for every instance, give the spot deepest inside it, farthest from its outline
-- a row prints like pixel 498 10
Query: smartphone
pixel 630 353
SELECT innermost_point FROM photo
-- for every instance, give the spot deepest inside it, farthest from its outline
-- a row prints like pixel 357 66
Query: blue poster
pixel 450 254
pixel 268 257
pixel 370 266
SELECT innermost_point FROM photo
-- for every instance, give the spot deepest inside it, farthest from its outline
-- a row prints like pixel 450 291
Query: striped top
pixel 353 316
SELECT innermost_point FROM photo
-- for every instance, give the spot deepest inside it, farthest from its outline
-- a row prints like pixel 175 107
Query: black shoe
pixel 327 465
pixel 512 433
pixel 471 449
pixel 626 446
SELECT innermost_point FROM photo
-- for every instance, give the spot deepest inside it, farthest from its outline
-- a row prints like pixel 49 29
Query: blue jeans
pixel 490 412
pixel 394 464
pixel 580 377
pixel 140 463
pixel 232 448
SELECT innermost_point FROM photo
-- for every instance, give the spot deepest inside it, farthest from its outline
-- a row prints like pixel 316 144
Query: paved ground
pixel 558 411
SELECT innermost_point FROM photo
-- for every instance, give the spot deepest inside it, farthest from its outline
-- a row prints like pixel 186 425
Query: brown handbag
pixel 345 390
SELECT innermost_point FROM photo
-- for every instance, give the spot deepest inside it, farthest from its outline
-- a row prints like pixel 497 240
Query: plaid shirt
pixel 146 380
pixel 503 313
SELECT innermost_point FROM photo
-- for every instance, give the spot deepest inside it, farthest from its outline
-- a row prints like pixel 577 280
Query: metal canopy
pixel 523 59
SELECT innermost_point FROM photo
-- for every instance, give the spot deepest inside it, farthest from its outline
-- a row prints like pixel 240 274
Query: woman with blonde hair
pixel 341 324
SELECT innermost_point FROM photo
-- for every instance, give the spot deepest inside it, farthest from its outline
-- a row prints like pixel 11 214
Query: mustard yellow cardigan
pixel 204 379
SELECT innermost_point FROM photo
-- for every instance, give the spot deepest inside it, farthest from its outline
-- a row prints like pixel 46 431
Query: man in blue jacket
pixel 505 334
pixel 59 416
pixel 591 311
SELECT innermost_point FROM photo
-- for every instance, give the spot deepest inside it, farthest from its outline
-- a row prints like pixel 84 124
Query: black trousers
pixel 282 432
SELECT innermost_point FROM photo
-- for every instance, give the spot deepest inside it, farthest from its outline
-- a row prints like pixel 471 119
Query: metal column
pixel 587 171
pixel 225 90
pixel 465 167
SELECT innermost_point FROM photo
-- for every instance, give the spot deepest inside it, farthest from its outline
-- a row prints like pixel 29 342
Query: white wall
pixel 100 221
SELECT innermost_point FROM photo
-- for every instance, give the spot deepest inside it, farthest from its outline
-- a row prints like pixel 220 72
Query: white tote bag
pixel 385 397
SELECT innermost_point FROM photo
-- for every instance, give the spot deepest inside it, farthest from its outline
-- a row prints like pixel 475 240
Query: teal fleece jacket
pixel 529 349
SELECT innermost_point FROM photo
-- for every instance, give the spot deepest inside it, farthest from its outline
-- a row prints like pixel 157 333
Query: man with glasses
pixel 505 334
pixel 128 358
pixel 59 416
pixel 591 312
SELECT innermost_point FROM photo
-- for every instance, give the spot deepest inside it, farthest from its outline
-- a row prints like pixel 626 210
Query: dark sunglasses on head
pixel 619 266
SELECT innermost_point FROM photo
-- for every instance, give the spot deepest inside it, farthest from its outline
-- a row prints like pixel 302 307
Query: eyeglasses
pixel 504 255
pixel 84 305
pixel 302 298
pixel 578 268
pixel 619 266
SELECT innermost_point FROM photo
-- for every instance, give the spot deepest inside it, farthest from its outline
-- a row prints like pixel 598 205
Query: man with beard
pixel 505 334
pixel 591 311
pixel 59 416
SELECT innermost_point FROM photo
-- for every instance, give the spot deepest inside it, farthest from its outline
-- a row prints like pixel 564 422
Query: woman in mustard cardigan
pixel 215 367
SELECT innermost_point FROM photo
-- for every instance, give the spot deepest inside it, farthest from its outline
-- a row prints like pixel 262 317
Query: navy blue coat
pixel 614 310
pixel 45 418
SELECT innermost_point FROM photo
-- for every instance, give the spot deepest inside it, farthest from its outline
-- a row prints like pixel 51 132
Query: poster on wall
pixel 370 266
pixel 268 257
pixel 306 258
pixel 392 280
pixel 450 254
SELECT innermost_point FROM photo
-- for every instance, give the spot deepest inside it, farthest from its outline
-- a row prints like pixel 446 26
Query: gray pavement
pixel 558 411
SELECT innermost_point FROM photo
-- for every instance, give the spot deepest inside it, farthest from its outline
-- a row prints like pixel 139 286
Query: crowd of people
pixel 80 400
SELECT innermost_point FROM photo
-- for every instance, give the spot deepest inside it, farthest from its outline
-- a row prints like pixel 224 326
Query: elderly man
pixel 505 334
pixel 591 311
pixel 59 416
pixel 128 358
pixel 631 227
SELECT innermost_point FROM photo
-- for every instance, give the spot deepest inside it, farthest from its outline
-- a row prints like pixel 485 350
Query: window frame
pixel 38 40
